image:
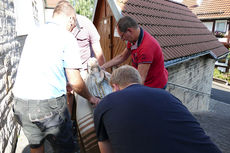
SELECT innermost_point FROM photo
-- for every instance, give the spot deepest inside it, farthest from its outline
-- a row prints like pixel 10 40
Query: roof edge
pixel 187 58
pixel 223 56
pixel 94 10
pixel 115 9
pixel 213 18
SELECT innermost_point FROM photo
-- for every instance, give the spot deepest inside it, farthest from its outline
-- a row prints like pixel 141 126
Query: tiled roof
pixel 51 3
pixel 211 9
pixel 179 32
pixel 190 3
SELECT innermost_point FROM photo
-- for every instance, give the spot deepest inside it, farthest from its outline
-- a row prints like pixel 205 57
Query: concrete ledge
pixel 220 81
pixel 221 85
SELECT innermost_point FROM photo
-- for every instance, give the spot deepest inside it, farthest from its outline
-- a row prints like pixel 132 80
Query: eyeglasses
pixel 123 35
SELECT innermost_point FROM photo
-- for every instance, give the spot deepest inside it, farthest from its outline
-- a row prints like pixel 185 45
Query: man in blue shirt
pixel 50 57
pixel 140 119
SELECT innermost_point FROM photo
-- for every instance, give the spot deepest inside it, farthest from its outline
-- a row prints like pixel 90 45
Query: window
pixel 209 25
pixel 221 26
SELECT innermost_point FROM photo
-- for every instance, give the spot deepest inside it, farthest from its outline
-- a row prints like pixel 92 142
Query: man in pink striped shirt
pixel 88 40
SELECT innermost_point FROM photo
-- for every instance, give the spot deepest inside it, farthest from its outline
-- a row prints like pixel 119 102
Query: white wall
pixel 9 58
pixel 29 14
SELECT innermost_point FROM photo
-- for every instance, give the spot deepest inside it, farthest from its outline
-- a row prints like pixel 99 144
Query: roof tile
pixel 51 3
pixel 179 32
pixel 210 9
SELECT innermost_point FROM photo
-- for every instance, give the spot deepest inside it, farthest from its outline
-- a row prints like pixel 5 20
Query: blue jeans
pixel 46 119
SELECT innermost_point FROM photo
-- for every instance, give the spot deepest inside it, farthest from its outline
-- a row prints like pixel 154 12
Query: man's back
pixel 47 51
pixel 141 119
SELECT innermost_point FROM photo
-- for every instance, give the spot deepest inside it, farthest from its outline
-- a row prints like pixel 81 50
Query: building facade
pixel 17 19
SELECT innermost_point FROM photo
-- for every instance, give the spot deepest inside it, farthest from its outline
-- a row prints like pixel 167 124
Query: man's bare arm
pixel 118 59
pixel 98 53
pixel 78 85
pixel 105 146
pixel 143 69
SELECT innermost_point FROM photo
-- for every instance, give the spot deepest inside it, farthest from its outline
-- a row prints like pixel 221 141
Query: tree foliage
pixel 84 7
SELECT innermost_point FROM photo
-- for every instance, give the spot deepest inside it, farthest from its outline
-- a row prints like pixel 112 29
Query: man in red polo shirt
pixel 147 56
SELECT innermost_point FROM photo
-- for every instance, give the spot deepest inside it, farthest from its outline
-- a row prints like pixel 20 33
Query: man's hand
pixel 102 67
pixel 69 89
pixel 94 101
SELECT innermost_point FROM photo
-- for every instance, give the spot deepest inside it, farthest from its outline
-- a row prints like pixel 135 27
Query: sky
pixel 180 1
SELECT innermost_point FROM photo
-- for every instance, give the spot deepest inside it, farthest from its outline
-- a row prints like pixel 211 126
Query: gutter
pixel 223 56
pixel 187 58
pixel 203 19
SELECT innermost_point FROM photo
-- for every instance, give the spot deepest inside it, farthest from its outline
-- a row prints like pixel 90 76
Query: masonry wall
pixel 191 82
pixel 10 49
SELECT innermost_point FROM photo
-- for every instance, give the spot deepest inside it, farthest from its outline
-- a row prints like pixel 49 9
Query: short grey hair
pixel 125 75
pixel 126 22
pixel 64 7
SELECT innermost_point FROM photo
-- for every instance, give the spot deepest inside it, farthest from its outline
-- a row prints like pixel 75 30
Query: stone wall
pixel 191 82
pixel 10 49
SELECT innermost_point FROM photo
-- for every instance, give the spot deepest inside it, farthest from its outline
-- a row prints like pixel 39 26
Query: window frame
pixel 225 25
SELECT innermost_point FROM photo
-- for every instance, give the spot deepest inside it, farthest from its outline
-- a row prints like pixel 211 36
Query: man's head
pixel 123 77
pixel 65 15
pixel 128 29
